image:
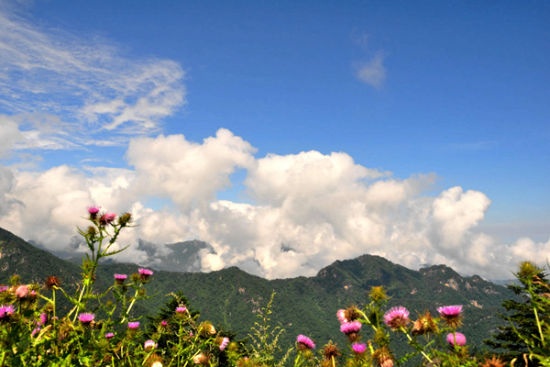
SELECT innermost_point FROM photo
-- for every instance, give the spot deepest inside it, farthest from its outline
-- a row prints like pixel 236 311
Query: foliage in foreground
pixel 101 330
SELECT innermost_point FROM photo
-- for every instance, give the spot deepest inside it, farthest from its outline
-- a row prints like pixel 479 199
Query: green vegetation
pixel 92 315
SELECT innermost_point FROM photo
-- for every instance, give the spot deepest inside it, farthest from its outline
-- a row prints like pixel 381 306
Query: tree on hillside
pixel 526 337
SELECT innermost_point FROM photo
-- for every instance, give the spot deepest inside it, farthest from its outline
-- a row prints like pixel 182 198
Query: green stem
pixel 538 325
pixel 415 345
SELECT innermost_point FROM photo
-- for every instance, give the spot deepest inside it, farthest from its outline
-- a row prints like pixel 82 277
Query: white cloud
pixel 373 72
pixel 96 94
pixel 307 210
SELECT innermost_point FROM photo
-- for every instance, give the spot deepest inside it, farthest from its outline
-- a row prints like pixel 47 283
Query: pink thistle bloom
pixel 396 317
pixel 149 344
pixel 133 325
pixel 450 311
pixel 109 217
pixel 144 273
pixel 224 343
pixel 6 311
pixel 350 327
pixel 43 318
pixel 86 318
pixel 22 291
pixel 164 323
pixel 35 331
pixel 181 309
pixel 341 315
pixel 109 335
pixel 3 288
pixel 304 341
pixel 456 339
pixel 122 277
pixel 93 210
pixel 359 348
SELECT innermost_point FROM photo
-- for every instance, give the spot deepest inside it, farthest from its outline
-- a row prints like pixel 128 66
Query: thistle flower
pixel 52 281
pixel 109 335
pixel 42 319
pixel 35 331
pixel 456 338
pixel 350 327
pixel 201 358
pixel 383 357
pixel 304 342
pixel 120 278
pixel 133 325
pixel 378 294
pixel 163 323
pixel 330 351
pixel 181 309
pixel 86 318
pixel 493 362
pixel 341 315
pixel 3 288
pixel 396 317
pixel 144 274
pixel 359 348
pixel 6 311
pixel 93 210
pixel 424 324
pixel 149 345
pixel 22 291
pixel 451 314
pixel 124 219
pixel 224 343
pixel 206 328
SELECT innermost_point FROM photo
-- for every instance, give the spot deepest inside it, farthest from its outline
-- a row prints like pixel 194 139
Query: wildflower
pixel 493 362
pixel 109 335
pixel 35 331
pixel 451 314
pixel 352 313
pixel 164 323
pixel 86 318
pixel 43 318
pixel 3 288
pixel 181 309
pixel 52 281
pixel 157 364
pixel 330 351
pixel 201 358
pixel 6 311
pixel 424 324
pixel 359 348
pixel 22 291
pixel 224 343
pixel 93 210
pixel 120 278
pixel 144 274
pixel 124 219
pixel 304 342
pixel 133 325
pixel 456 338
pixel 396 317
pixel 206 328
pixel 350 327
pixel 341 315
pixel 378 294
pixel 383 357
pixel 149 345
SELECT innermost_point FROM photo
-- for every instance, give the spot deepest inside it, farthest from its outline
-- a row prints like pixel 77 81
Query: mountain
pixel 307 305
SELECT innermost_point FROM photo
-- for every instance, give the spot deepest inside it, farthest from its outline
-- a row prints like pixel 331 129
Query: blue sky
pixel 457 91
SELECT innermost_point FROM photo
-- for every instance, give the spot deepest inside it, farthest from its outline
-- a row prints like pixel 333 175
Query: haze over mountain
pixel 232 297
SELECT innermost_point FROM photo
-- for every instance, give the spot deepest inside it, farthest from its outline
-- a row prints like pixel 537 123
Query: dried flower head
pixel 124 219
pixel 352 313
pixel 206 328
pixel 304 342
pixel 493 362
pixel 383 357
pixel 52 281
pixel 424 324
pixel 396 317
pixel 22 291
pixel 330 351
pixel 201 358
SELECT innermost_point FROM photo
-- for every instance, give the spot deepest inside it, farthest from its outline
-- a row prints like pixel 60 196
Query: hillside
pixel 230 297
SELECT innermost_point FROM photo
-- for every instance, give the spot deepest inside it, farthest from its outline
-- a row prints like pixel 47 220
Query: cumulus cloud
pixel 306 210
pixel 51 79
pixel 373 72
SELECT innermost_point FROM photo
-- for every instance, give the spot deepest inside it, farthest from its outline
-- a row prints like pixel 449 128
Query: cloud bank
pixel 306 210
